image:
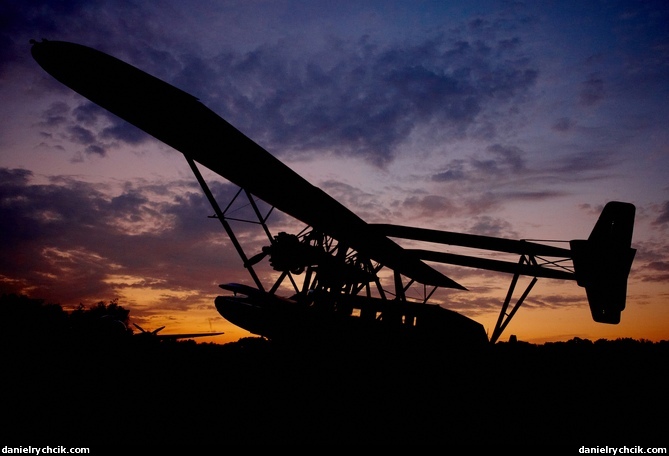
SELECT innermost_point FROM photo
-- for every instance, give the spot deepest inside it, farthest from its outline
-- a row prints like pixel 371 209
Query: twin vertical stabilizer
pixel 602 263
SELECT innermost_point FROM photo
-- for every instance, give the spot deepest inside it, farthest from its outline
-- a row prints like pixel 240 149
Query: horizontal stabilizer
pixel 602 263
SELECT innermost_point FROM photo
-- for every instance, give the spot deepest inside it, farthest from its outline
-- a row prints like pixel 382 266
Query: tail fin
pixel 602 263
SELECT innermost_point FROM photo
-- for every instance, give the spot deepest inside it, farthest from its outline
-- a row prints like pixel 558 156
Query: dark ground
pixel 149 394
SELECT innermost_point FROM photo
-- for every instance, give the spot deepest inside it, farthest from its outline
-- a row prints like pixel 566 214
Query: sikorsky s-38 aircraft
pixel 347 280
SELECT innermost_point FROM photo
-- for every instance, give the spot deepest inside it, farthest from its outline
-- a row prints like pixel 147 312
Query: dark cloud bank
pixel 63 239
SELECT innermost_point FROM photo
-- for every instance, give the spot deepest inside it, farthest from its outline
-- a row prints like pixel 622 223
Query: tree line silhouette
pixel 81 377
pixel 36 320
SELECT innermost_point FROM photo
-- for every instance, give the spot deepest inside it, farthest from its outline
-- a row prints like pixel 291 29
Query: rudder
pixel 602 263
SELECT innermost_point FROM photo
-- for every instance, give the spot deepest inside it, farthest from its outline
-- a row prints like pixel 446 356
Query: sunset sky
pixel 508 119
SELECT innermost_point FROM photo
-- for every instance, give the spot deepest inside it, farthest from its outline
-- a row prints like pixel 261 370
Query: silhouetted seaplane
pixel 355 279
pixel 154 334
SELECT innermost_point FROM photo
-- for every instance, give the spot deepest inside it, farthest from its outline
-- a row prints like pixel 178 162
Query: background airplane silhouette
pixel 154 334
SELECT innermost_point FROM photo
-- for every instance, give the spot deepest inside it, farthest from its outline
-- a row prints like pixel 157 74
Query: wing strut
pixel 221 218
pixel 505 318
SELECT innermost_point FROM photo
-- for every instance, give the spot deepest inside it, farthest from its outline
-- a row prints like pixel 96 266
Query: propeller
pixel 154 332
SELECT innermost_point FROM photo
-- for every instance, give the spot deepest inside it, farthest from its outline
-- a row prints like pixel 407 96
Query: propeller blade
pixel 255 259
pixel 139 327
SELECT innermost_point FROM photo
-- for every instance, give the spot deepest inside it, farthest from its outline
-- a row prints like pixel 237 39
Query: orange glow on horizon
pixel 642 318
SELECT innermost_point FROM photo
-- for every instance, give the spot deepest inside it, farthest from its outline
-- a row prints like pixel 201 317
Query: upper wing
pixel 181 121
